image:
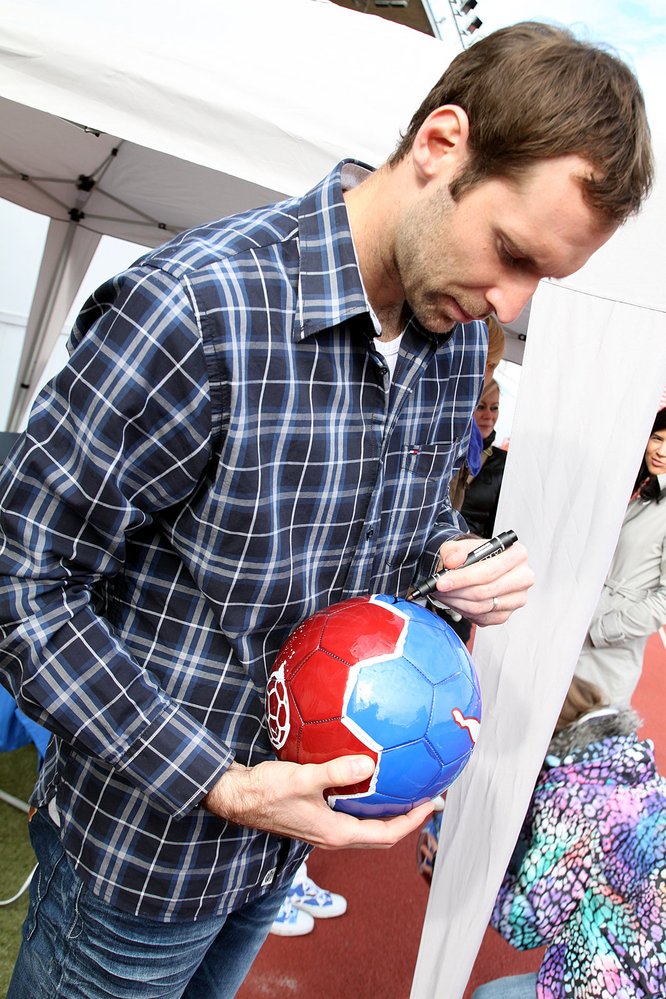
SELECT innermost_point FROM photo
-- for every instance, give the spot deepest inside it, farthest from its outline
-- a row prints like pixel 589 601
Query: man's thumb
pixel 453 556
pixel 346 770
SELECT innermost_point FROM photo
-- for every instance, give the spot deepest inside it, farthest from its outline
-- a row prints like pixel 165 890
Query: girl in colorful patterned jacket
pixel 588 876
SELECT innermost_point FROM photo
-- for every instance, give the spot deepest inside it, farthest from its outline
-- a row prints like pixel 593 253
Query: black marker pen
pixel 486 550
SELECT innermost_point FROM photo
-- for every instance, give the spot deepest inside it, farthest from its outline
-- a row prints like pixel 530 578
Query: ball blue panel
pixel 430 643
pixel 372 806
pixel 455 698
pixel 447 775
pixel 438 652
pixel 391 701
pixel 407 771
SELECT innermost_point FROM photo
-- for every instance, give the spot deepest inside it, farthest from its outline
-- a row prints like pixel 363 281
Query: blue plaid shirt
pixel 223 455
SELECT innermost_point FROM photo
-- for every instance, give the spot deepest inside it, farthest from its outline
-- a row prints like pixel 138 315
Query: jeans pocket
pixel 51 864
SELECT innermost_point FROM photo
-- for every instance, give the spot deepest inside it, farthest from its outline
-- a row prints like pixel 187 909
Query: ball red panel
pixel 304 640
pixel 356 630
pixel 328 740
pixel 319 687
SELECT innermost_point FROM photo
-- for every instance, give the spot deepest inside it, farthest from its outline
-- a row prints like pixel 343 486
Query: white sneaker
pixel 308 897
pixel 291 922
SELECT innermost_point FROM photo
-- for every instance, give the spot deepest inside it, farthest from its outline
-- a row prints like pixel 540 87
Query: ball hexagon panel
pixel 390 700
pixel 407 770
pixel 326 740
pixel 318 686
pixel 303 640
pixel 450 650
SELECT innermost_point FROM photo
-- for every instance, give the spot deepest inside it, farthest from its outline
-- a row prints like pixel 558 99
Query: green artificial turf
pixel 17 776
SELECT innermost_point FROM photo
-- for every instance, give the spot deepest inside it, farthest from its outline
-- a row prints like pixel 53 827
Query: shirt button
pixel 370 533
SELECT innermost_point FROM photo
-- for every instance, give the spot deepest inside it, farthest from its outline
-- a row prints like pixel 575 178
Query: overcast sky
pixel 637 31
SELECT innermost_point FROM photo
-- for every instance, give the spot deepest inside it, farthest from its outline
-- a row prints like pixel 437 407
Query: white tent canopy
pixel 142 132
pixel 224 105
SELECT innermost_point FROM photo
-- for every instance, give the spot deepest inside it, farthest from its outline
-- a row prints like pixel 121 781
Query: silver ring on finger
pixel 496 605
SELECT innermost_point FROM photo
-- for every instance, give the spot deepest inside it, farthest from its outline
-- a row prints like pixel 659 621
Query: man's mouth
pixel 462 315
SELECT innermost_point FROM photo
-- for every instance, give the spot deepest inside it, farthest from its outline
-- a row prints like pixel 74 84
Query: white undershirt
pixel 389 349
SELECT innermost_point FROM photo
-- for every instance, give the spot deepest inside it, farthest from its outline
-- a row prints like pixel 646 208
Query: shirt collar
pixel 331 288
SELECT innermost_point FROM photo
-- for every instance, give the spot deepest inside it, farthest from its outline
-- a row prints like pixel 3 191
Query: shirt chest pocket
pixel 417 490
pixel 429 461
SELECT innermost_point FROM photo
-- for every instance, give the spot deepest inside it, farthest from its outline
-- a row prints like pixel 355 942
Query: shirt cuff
pixel 175 761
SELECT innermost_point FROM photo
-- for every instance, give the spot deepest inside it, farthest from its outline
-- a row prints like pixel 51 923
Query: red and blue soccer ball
pixel 380 677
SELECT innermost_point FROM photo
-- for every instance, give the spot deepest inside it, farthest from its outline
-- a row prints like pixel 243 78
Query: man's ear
pixel 440 146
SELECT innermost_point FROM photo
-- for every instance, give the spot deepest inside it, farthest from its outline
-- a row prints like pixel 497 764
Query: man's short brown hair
pixel 532 91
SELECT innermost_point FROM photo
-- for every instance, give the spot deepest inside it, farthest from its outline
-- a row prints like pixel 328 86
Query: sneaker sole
pixel 291 933
pixel 319 913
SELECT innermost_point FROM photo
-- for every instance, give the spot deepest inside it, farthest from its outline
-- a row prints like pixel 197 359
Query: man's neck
pixel 372 217
pixel 392 320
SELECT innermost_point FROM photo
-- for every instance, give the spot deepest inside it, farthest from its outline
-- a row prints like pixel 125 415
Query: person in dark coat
pixel 482 491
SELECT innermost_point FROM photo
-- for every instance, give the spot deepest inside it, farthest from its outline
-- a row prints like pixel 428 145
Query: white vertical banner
pixel 593 374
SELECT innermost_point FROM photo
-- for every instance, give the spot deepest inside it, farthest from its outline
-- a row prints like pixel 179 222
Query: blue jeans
pixel 77 947
pixel 513 987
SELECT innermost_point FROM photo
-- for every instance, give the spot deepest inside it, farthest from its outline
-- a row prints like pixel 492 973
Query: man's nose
pixel 508 300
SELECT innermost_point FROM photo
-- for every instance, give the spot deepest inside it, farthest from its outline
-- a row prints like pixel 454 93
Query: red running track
pixel 370 952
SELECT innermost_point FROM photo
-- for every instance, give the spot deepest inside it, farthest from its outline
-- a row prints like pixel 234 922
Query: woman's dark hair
pixel 647 485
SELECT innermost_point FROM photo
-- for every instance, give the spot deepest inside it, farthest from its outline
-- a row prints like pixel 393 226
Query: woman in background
pixel 633 601
pixel 479 494
pixel 479 506
pixel 472 463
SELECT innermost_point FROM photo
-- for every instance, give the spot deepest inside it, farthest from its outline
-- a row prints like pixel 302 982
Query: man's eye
pixel 509 259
